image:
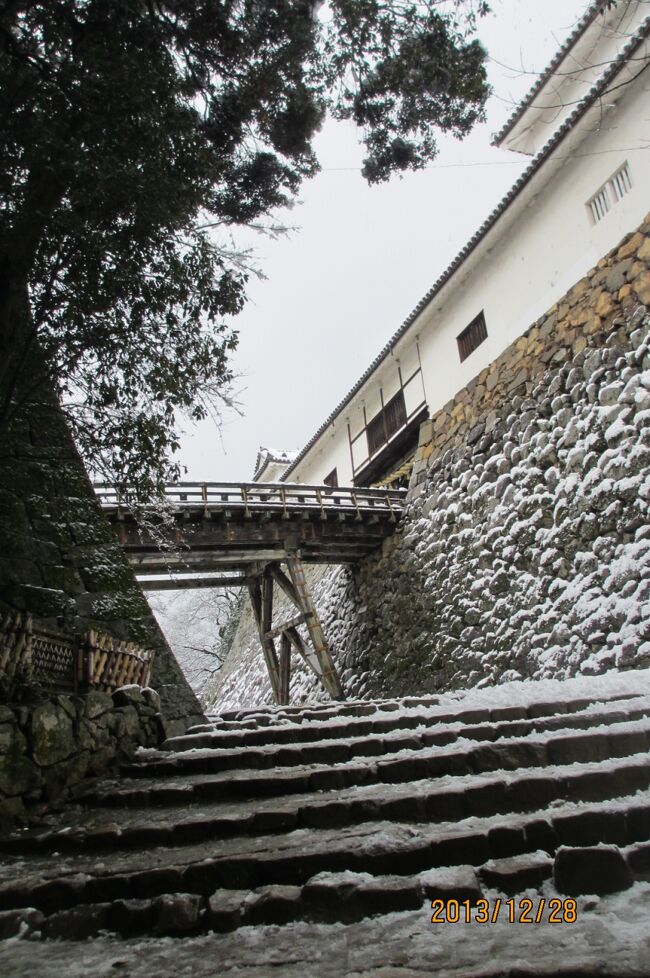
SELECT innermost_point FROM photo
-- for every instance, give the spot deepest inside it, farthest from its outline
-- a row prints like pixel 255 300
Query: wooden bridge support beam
pixel 323 666
pixel 319 658
pixel 261 595
pixel 285 667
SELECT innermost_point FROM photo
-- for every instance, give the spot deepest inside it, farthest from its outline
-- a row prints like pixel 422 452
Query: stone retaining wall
pixel 525 547
pixel 47 747
pixel 59 555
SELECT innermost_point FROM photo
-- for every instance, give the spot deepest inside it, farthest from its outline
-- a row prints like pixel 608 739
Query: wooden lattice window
pixel 383 426
pixel 472 336
pixel 395 414
pixel 376 433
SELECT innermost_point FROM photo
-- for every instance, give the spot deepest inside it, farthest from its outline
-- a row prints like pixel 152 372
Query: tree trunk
pixel 19 366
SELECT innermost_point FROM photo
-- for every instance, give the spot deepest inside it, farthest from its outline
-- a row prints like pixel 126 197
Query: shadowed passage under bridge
pixel 239 534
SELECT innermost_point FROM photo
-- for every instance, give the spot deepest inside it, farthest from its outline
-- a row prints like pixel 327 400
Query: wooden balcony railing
pixel 267 496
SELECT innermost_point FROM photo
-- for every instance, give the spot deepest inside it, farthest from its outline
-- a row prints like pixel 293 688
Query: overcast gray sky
pixel 361 258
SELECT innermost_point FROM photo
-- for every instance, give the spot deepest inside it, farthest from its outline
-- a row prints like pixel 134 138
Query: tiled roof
pixel 582 25
pixel 535 164
pixel 266 455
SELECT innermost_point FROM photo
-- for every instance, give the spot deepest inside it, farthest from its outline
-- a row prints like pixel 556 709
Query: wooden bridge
pixel 238 534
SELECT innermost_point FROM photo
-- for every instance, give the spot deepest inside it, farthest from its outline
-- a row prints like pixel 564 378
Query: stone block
pixel 127 722
pixel 506 841
pixel 12 741
pixel 128 696
pixel 51 734
pixel 517 873
pixel 18 775
pixel 638 859
pixel 325 814
pixel 643 254
pixel 462 848
pixel 96 704
pixel 540 835
pixel 486 799
pixel 578 748
pixel 177 914
pixel 407 808
pixel 151 698
pixel 225 910
pixel 347 896
pixel 589 827
pixel 641 286
pixel 273 904
pixel 631 246
pixel 535 792
pixel 132 918
pixel 425 434
pixel 57 778
pixel 59 894
pixel 638 821
pixel 20 922
pixel 77 923
pixel 591 869
pixel 508 756
pixel 451 883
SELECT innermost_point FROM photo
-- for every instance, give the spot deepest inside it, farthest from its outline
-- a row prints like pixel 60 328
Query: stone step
pixel 385 850
pixel 350 708
pixel 344 897
pixel 600 692
pixel 326 898
pixel 423 801
pixel 235 735
pixel 241 784
pixel 474 750
pixel 333 813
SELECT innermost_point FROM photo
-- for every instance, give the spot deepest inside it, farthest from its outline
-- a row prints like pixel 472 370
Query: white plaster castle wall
pixel 581 68
pixel 543 243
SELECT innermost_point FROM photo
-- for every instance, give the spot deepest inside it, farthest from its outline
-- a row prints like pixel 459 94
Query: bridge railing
pixel 252 496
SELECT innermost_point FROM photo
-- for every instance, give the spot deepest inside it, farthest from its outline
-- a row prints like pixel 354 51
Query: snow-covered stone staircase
pixel 338 812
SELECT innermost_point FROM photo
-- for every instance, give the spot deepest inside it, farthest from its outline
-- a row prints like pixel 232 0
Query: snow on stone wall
pixel 525 547
pixel 59 556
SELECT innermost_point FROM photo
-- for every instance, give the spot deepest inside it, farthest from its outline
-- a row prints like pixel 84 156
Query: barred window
pixel 472 336
pixel 383 426
pixel 599 204
pixel 618 185
pixel 621 182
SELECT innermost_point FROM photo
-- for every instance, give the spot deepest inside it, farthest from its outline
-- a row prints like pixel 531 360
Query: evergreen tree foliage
pixel 131 129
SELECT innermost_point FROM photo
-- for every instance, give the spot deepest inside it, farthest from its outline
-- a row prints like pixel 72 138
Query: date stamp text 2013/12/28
pixel 522 911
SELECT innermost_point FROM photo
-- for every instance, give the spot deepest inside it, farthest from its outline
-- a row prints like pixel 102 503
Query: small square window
pixel 471 337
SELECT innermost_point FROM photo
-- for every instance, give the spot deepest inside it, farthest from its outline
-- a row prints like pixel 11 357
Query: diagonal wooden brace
pixel 321 659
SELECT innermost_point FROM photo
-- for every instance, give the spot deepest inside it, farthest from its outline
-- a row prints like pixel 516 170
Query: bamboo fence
pixel 68 663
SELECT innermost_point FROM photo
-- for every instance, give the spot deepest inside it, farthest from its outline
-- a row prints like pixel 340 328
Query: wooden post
pixel 259 604
pixel 285 667
pixel 321 662
pixel 283 581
